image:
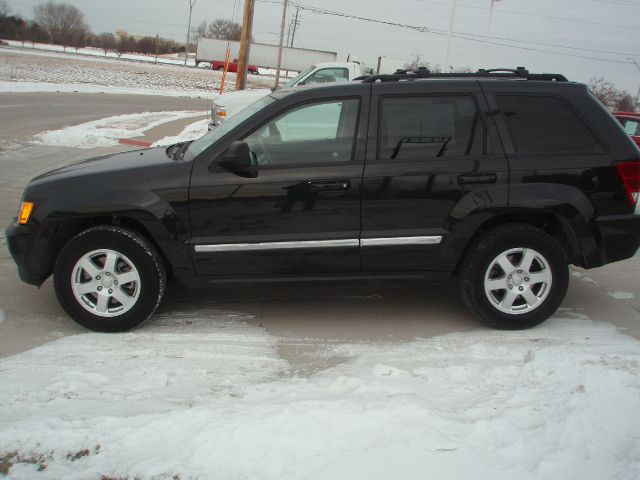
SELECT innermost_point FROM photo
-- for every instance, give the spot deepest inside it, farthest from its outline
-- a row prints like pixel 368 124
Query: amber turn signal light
pixel 25 212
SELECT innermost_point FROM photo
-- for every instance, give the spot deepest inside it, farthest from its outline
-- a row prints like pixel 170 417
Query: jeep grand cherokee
pixel 501 178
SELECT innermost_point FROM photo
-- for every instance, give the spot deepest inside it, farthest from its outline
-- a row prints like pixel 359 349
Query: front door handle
pixel 330 185
pixel 477 178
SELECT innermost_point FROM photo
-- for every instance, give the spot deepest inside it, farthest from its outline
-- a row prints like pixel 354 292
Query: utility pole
pixel 637 94
pixel 486 45
pixel 295 25
pixel 452 18
pixel 245 40
pixel 157 48
pixel 186 50
pixel 284 17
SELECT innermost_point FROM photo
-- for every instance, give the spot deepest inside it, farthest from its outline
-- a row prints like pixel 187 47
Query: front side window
pixel 429 127
pixel 545 124
pixel 326 75
pixel 314 133
pixel 217 133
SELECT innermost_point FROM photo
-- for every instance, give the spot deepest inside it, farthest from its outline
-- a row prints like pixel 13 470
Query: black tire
pixel 133 248
pixel 478 259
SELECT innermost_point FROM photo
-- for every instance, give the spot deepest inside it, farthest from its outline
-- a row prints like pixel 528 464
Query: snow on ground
pixel 21 87
pixel 85 73
pixel 96 52
pixel 190 132
pixel 89 53
pixel 107 131
pixel 205 395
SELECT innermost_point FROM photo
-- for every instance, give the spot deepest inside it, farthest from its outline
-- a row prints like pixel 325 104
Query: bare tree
pixel 417 62
pixel 625 103
pixel 220 28
pixel 604 91
pixel 200 31
pixel 5 8
pixel 146 45
pixel 63 23
pixel 106 41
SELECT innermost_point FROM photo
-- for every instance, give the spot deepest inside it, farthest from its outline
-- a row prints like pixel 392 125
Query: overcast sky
pixel 603 29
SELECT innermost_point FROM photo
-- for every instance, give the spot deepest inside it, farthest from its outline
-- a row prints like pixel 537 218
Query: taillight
pixel 630 175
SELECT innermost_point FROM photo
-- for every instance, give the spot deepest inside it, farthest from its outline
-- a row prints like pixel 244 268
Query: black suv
pixel 501 178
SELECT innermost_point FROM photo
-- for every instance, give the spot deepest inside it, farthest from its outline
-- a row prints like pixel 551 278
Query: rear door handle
pixel 477 178
pixel 330 185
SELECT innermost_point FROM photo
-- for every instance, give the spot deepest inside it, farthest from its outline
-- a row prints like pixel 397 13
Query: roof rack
pixel 422 72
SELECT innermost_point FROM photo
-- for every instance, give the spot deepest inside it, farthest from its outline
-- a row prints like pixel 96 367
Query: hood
pixel 233 102
pixel 124 163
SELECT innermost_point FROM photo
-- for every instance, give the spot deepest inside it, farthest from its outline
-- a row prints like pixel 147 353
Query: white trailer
pixel 262 55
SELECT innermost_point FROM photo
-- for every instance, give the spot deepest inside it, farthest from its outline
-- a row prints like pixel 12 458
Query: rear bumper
pixel 20 243
pixel 619 236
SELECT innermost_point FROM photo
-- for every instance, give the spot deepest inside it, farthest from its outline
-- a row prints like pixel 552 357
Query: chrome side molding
pixel 388 241
pixel 347 242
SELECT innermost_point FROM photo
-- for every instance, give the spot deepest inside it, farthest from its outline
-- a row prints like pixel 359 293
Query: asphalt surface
pixel 305 318
pixel 25 114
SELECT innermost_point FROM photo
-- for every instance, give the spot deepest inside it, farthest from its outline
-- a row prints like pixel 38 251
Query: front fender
pixel 160 218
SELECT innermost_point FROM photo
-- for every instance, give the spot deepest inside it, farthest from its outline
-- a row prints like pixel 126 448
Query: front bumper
pixel 20 242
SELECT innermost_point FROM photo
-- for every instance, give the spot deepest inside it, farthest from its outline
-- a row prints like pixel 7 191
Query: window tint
pixel 313 133
pixel 328 75
pixel 423 127
pixel 544 124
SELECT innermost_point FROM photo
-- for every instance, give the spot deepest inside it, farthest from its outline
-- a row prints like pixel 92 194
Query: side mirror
pixel 238 159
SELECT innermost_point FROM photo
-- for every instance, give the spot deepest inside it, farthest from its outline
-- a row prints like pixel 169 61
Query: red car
pixel 233 66
pixel 631 123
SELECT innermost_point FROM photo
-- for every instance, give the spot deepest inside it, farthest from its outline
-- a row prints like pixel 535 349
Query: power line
pixel 619 2
pixel 463 36
pixel 537 15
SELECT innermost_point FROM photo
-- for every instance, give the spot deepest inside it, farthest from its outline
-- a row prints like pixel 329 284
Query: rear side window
pixel 428 127
pixel 545 124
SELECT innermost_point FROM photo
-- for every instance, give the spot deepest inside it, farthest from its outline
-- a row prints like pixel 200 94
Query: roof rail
pixel 422 72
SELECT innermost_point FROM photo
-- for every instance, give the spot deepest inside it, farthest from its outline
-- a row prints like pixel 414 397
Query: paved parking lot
pixel 303 318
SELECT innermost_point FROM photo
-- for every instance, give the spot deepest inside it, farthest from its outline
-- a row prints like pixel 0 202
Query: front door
pixel 301 214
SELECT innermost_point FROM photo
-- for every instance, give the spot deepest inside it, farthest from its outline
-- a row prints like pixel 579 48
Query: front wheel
pixel 109 279
pixel 514 276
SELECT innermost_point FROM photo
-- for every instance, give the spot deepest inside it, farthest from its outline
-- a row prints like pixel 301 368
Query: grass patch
pixel 9 459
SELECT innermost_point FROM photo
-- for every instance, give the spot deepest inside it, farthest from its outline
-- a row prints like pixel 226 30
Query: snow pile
pixel 107 131
pixel 190 132
pixel 204 395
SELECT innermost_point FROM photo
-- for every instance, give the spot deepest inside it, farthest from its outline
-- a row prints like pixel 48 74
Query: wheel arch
pixel 58 230
pixel 564 225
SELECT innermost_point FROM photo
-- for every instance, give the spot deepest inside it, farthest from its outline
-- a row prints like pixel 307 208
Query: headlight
pixel 219 114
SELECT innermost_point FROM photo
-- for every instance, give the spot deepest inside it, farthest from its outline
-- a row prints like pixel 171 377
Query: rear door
pixel 433 161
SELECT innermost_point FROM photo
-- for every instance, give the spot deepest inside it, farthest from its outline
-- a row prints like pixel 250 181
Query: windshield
pixel 298 77
pixel 200 145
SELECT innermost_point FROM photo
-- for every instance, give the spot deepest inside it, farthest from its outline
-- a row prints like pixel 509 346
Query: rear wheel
pixel 109 279
pixel 514 276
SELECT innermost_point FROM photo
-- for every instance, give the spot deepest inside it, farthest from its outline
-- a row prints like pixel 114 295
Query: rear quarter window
pixel 545 124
